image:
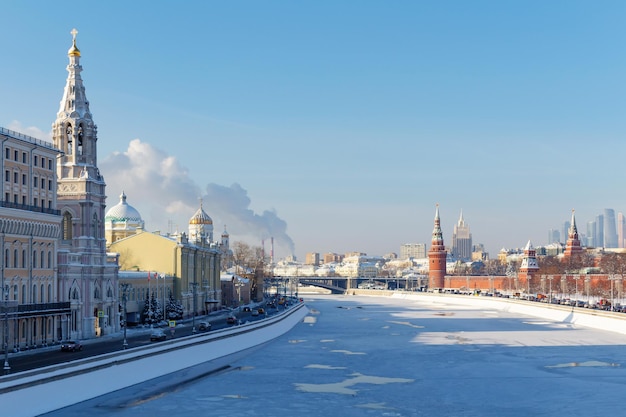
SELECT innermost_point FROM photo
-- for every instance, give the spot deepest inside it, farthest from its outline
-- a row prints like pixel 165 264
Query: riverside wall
pixel 165 363
pixel 597 319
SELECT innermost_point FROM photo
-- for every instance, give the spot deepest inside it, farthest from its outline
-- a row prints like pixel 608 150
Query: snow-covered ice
pixel 379 356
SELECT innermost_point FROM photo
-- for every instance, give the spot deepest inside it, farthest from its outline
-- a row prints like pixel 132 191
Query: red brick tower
pixel 572 246
pixel 437 256
pixel 528 268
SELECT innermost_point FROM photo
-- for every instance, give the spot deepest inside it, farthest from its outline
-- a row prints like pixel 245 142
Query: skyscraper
pixel 554 236
pixel 461 240
pixel 621 229
pixel 599 236
pixel 591 234
pixel 610 235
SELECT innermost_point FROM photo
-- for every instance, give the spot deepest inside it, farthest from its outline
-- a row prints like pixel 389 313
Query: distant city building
pixel 565 230
pixel 591 234
pixel 599 236
pixel 479 253
pixel 461 241
pixel 413 250
pixel 312 258
pixel 621 230
pixel 330 258
pixel 554 236
pixel 610 230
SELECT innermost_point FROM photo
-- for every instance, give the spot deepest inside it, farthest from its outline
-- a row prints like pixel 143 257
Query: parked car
pixel 157 336
pixel 255 312
pixel 204 325
pixel 246 309
pixel 231 319
pixel 261 311
pixel 71 346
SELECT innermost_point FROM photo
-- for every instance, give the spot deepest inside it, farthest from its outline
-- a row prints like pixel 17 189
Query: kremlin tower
pixel 529 267
pixel 572 246
pixel 437 256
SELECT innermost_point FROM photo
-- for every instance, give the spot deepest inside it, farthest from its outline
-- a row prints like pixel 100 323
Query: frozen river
pixel 377 356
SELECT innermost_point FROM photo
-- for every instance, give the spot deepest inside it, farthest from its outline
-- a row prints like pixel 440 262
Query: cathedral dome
pixel 123 212
pixel 200 217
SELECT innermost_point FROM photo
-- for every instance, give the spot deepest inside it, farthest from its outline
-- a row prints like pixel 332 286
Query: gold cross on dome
pixel 74 32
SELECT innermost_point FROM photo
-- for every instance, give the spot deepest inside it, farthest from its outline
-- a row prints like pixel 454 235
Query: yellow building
pixel 192 263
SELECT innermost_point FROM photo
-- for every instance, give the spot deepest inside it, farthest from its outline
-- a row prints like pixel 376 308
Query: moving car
pixel 157 336
pixel 71 346
pixel 231 319
pixel 204 325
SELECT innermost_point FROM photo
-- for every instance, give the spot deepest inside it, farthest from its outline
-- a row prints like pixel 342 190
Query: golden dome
pixel 200 217
pixel 74 51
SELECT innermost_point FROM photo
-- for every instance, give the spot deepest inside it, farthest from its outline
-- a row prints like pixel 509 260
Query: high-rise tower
pixel 87 278
pixel 437 256
pixel 610 230
pixel 461 241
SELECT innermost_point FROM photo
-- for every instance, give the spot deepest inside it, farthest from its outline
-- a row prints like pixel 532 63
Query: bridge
pixel 288 285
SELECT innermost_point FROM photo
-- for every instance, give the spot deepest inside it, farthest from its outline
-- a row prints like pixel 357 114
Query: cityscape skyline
pixel 338 127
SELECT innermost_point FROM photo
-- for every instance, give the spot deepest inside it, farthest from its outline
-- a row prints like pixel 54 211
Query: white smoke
pixel 161 190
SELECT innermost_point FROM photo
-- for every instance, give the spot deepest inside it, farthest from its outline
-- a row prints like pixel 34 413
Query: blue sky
pixel 339 125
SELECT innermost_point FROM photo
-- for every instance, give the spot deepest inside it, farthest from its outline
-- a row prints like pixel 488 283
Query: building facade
pixel 413 250
pixel 30 228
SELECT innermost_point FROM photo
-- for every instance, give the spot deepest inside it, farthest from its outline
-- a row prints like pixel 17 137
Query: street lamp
pixel 124 288
pixel 193 313
pixel 550 278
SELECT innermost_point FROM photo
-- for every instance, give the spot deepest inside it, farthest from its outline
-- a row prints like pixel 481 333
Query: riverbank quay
pixel 596 319
pixel 32 393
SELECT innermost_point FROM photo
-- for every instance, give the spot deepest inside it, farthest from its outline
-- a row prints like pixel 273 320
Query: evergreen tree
pixel 174 309
pixel 145 314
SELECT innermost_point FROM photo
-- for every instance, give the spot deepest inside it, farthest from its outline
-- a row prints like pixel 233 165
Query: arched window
pixel 6 258
pixel 34 259
pixel 67 226
pixel 110 293
pixel 94 225
pixel 80 140
pixel 96 294
pixel 15 261
pixel 49 259
pixel 34 294
pixel 42 293
pixel 68 133
pixel 23 258
pixel 15 292
pixel 49 293
pixel 23 293
pixel 41 258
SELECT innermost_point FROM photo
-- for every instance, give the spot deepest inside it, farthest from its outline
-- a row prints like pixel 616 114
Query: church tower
pixel 86 277
pixel 437 256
